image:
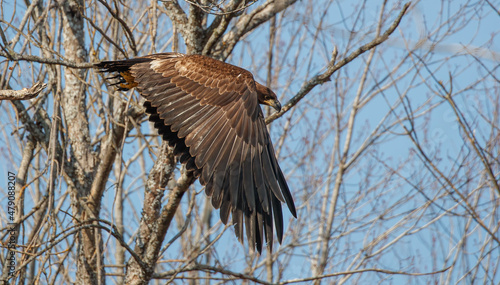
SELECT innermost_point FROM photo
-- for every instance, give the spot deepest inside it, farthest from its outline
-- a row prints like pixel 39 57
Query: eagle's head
pixel 267 97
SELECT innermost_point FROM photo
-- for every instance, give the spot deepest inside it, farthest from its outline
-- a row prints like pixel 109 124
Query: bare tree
pixel 388 136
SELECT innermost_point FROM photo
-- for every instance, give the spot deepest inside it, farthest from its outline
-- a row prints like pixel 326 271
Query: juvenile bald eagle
pixel 209 112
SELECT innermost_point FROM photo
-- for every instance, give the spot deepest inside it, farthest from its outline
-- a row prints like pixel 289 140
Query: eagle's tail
pixel 121 71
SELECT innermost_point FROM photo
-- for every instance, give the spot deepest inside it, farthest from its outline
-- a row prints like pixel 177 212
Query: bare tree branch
pixel 13 56
pixel 247 23
pixel 23 94
pixel 332 66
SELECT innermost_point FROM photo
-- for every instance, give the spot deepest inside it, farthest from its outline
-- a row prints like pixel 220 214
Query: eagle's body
pixel 209 112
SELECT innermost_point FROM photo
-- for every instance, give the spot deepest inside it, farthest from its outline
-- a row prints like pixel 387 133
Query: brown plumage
pixel 209 112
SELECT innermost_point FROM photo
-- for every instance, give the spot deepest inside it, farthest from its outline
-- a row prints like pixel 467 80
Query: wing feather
pixel 278 218
pixel 251 227
pixel 195 122
pixel 206 135
pixel 213 144
pixel 238 223
pixel 225 209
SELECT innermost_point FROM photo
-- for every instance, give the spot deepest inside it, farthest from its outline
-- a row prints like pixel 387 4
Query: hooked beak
pixel 273 103
pixel 277 105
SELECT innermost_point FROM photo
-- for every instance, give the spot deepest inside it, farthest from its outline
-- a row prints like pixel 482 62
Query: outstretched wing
pixel 209 110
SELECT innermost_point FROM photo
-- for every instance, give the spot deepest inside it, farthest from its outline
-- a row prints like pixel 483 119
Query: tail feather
pixel 119 65
pixel 120 70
